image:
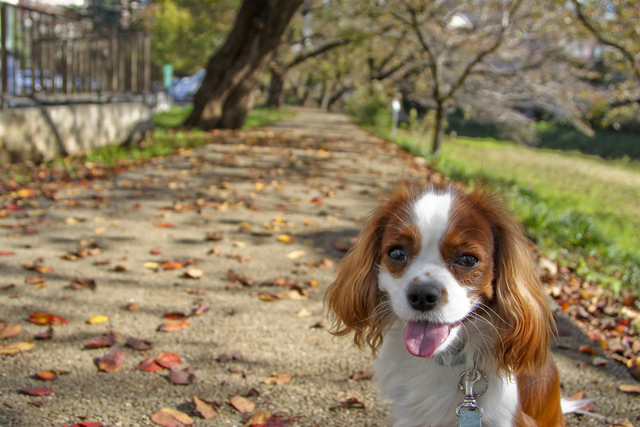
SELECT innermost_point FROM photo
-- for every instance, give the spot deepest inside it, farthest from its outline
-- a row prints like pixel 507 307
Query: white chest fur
pixel 425 393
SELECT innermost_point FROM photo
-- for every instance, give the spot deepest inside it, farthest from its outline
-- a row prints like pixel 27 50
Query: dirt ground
pixel 224 206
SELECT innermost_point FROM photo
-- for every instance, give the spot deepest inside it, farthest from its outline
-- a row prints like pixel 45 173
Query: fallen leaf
pixel 149 364
pixel 96 320
pixel 600 361
pixel 172 265
pixel 47 375
pixel 120 268
pixel 83 283
pixel 230 355
pixel 242 404
pixel 279 379
pixel 112 360
pixel 7 253
pixel 169 417
pixel 88 424
pixel 174 325
pixel 259 418
pixel 296 254
pixel 155 252
pixel 36 391
pixel 293 294
pixel 341 246
pixel 39 318
pixel 174 315
pixel 164 224
pixel 361 375
pixel 630 388
pixel 193 273
pixel 182 376
pixel 138 344
pixel 285 238
pixel 587 349
pixel 9 330
pixel 168 360
pixel 35 280
pixel 352 402
pixel 132 306
pixel 204 408
pixel 202 309
pixel 314 283
pixel 45 335
pixel 16 347
pixel 151 265
pixel 107 340
pixel 304 313
pixel 215 237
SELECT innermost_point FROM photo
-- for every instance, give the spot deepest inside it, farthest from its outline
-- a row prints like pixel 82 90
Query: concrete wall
pixel 41 133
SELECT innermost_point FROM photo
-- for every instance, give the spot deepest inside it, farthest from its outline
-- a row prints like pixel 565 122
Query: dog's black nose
pixel 424 296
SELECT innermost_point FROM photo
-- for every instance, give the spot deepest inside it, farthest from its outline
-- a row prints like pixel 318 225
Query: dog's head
pixel 438 260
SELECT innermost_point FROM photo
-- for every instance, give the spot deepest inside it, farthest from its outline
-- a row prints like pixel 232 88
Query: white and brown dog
pixel 441 282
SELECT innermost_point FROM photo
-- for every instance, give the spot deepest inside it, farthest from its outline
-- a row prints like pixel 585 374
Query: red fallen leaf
pixel 317 200
pixel 174 325
pixel 149 364
pixel 276 421
pixel 107 340
pixel 47 375
pixel 112 360
pixel 7 253
pixel 46 335
pixel 164 224
pixel 36 391
pixel 183 376
pixel 88 424
pixel 14 207
pixel 40 318
pixel 172 265
pixel 155 252
pixel 138 344
pixel 168 360
pixel 587 349
pixel 174 315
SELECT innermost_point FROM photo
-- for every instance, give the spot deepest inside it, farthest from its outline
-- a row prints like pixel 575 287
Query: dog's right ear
pixel 354 298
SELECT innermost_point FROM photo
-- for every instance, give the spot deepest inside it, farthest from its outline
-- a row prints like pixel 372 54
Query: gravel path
pixel 223 206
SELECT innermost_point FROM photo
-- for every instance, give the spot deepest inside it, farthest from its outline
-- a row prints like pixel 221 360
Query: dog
pixel 441 284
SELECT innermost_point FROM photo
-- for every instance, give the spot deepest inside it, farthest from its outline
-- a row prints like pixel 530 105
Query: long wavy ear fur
pixel 520 301
pixel 354 297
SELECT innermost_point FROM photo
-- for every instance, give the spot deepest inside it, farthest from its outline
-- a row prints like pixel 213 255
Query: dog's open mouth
pixel 423 338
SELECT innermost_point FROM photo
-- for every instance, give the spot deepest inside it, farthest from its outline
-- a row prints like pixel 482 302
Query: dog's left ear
pixel 525 317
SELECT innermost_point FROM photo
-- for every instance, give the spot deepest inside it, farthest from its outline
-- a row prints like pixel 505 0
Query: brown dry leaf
pixel 259 418
pixel 83 283
pixel 174 315
pixel 279 379
pixel 9 330
pixel 623 423
pixel 230 355
pixel 193 273
pixel 183 376
pixel 352 402
pixel 174 325
pixel 132 306
pixel 45 335
pixel 120 268
pixel 112 360
pixel 107 340
pixel 242 404
pixel 169 417
pixel 204 408
pixel 16 347
pixel 362 375
pixel 630 388
pixel 138 344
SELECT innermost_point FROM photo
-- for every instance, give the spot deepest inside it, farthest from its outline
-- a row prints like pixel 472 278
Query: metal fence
pixel 58 57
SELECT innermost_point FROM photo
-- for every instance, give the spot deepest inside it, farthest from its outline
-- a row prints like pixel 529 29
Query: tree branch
pixel 604 40
pixel 318 51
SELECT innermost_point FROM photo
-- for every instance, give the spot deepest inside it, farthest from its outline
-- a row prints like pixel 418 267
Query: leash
pixel 469 412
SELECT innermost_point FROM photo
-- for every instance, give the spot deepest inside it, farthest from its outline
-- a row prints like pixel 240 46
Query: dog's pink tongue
pixel 423 339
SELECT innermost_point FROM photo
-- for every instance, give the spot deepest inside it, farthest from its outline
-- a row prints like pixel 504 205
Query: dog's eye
pixel 397 255
pixel 468 261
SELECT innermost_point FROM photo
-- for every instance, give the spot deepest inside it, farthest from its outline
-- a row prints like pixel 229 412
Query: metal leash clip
pixel 469 412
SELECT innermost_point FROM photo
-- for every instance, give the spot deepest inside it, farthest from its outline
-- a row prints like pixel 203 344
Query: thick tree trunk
pixel 276 86
pixel 438 132
pixel 234 71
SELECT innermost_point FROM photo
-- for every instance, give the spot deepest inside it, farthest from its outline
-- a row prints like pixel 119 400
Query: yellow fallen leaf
pixel 194 273
pixel 16 347
pixel 259 418
pixel 240 244
pixel 314 282
pixel 279 219
pixel 100 230
pixel 296 254
pixel 170 416
pixel 304 313
pixel 285 238
pixel 96 320
pixel 259 187
pixel 151 265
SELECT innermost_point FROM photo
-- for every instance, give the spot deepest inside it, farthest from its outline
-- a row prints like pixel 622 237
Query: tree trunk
pixel 276 86
pixel 233 72
pixel 438 132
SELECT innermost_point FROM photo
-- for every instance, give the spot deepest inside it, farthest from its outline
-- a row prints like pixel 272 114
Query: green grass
pixel 581 210
pixel 167 136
